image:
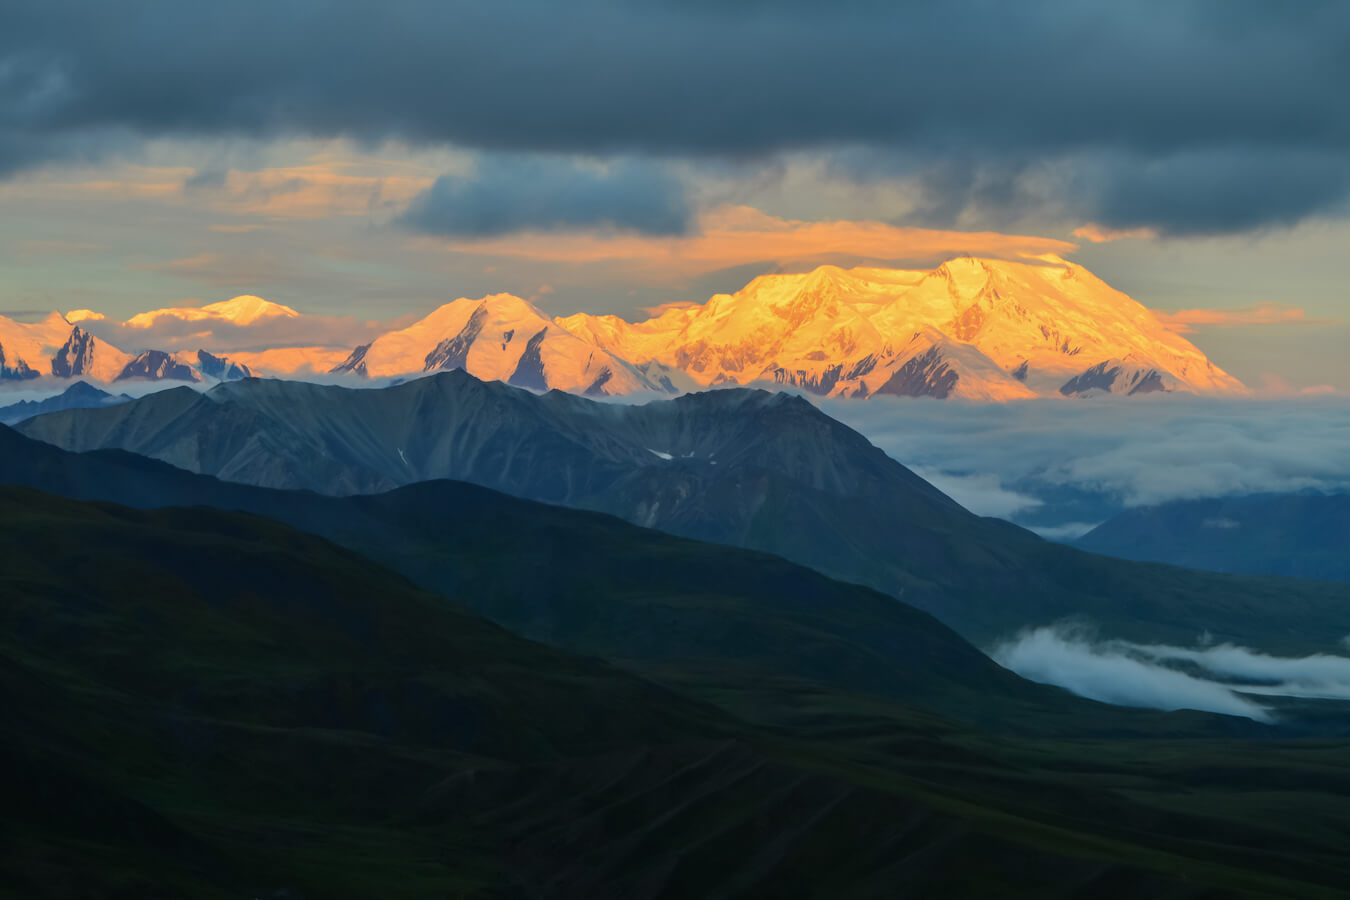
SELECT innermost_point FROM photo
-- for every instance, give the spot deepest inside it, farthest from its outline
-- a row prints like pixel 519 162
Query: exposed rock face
pixel 354 364
pixel 220 367
pixel 156 365
pixel 76 356
pixel 925 375
pixel 453 353
pixel 1116 376
pixel 15 370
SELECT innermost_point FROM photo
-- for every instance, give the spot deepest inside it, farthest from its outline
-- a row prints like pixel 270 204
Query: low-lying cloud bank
pixel 1026 460
pixel 1222 679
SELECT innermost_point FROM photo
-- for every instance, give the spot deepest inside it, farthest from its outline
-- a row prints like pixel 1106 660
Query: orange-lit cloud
pixel 292 361
pixel 1185 321
pixel 310 191
pixel 1100 234
pixel 1278 386
pixel 735 235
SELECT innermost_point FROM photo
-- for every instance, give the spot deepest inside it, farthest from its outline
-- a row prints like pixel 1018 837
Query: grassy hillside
pixel 208 704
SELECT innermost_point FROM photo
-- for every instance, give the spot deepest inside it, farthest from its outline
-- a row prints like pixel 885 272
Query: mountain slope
pixel 1300 535
pixel 645 596
pixel 501 338
pixel 752 469
pixel 56 347
pixel 210 679
pixel 208 704
pixel 80 395
pixel 1012 329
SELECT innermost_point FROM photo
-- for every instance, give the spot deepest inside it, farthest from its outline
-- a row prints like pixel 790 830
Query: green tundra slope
pixel 209 704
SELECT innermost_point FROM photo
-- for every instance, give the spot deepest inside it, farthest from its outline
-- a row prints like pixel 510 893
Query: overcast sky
pixel 373 160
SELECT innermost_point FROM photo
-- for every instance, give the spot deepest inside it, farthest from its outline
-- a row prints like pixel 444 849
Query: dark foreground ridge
pixel 204 703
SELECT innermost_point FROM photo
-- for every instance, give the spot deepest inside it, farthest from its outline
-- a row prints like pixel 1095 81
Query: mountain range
pixel 593 584
pixel 977 329
pixel 80 395
pixel 58 348
pixel 1303 535
pixel 750 468
pixel 203 700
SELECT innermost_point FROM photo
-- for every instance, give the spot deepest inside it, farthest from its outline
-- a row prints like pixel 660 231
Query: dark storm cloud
pixel 506 195
pixel 1223 191
pixel 1156 89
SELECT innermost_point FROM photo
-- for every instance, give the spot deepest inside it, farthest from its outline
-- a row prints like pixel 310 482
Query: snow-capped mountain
pixel 503 338
pixel 243 310
pixel 57 348
pixel 974 328
pixel 156 365
pixel 1127 376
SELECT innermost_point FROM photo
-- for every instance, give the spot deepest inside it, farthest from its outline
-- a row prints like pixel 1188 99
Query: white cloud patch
pixel 1130 452
pixel 1068 531
pixel 1221 678
pixel 982 494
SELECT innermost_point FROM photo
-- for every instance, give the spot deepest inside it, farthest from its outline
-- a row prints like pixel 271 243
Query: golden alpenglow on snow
pixel 622 450
pixel 978 329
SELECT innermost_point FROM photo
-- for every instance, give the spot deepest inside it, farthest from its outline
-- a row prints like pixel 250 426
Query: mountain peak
pixel 498 337
pixel 847 332
pixel 248 308
pixel 967 275
pixel 245 309
pixel 824 276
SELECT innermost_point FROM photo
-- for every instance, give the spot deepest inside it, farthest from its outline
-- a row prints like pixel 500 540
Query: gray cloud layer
pixel 506 195
pixel 1189 116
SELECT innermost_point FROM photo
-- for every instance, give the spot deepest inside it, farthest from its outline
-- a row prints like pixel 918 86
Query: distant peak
pixel 496 304
pixel 248 308
pixel 510 301
pixel 826 272
pixel 242 310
